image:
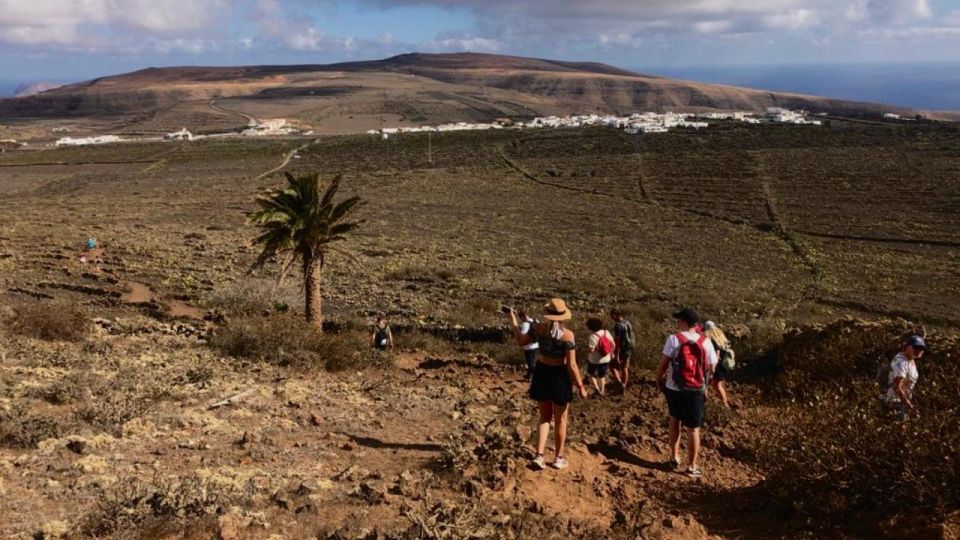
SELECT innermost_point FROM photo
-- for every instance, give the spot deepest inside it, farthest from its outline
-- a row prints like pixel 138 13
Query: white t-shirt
pixel 672 346
pixel 592 344
pixel 524 330
pixel 900 367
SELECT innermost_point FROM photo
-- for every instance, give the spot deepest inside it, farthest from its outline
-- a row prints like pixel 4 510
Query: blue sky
pixel 62 40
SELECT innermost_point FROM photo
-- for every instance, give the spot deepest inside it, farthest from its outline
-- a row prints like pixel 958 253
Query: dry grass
pixel 287 340
pixel 51 321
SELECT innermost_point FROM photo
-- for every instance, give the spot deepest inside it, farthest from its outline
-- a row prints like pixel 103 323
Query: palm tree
pixel 298 222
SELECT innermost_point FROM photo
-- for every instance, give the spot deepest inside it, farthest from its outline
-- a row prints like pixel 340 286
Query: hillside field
pixel 761 228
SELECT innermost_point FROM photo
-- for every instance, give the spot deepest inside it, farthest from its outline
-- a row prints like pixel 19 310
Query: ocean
pixel 931 86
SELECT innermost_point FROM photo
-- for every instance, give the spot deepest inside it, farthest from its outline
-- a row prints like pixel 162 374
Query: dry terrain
pixel 406 90
pixel 110 433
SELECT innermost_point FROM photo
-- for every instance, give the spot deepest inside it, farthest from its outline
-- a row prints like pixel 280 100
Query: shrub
pixel 111 411
pixel 24 428
pixel 133 504
pixel 288 340
pixel 73 387
pixel 834 450
pixel 51 321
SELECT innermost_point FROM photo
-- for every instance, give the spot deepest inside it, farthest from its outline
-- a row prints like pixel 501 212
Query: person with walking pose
pixel 554 375
pixel 687 361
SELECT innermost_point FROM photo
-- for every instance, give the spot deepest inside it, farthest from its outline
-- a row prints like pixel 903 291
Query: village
pixel 636 123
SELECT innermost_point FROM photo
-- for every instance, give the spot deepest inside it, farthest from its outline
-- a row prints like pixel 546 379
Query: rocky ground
pixel 433 447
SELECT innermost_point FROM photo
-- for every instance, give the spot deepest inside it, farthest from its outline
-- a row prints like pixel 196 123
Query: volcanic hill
pixel 408 89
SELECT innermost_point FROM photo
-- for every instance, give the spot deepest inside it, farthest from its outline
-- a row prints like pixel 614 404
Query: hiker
pixel 625 340
pixel 726 359
pixel 555 369
pixel 382 339
pixel 91 244
pixel 686 363
pixel 529 350
pixel 903 376
pixel 602 349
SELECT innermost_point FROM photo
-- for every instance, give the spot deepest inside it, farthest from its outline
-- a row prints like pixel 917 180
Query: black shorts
pixel 622 360
pixel 551 383
pixel 720 374
pixel 598 370
pixel 686 407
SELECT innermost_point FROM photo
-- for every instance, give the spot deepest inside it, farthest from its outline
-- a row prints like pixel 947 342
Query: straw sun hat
pixel 556 310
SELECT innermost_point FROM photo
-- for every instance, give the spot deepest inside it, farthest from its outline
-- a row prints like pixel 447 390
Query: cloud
pixel 88 23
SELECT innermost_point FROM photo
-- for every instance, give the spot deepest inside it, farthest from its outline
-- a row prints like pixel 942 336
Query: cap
pixel 916 342
pixel 709 325
pixel 687 315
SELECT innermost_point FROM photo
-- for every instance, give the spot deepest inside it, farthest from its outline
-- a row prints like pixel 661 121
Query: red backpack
pixel 605 345
pixel 690 365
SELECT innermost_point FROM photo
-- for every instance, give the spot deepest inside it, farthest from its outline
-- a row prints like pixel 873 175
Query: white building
pixel 182 135
pixel 84 141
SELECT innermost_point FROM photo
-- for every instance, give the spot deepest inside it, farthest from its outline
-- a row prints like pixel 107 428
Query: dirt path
pixel 286 159
pixel 250 119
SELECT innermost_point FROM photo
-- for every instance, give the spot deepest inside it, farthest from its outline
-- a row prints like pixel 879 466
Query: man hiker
pixel 903 376
pixel 382 339
pixel 530 349
pixel 686 364
pixel 625 340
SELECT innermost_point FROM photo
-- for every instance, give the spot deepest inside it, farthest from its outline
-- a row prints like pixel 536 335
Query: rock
pixel 230 526
pixel 53 529
pixel 353 474
pixel 371 493
pixel 316 419
pixel 77 446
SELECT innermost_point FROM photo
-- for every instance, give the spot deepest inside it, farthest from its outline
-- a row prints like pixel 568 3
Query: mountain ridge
pixel 418 85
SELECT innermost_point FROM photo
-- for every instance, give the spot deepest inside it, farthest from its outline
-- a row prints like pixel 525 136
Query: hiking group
pixel 695 358
pixel 689 360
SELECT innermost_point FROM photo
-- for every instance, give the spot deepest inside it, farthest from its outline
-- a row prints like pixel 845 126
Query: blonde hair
pixel 718 337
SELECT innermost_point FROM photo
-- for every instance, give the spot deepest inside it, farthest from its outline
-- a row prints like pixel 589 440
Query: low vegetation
pixel 834 454
pixel 51 321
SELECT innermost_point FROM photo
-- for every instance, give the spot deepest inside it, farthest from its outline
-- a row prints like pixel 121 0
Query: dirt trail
pixel 250 119
pixel 141 293
pixel 286 159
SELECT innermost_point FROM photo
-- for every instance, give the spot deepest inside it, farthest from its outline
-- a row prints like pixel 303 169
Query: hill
pixel 411 88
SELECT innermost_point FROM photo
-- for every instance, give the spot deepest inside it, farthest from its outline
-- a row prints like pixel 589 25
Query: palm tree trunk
pixel 311 285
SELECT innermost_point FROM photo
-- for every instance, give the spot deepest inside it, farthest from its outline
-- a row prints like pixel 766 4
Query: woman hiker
pixel 554 374
pixel 382 338
pixel 722 345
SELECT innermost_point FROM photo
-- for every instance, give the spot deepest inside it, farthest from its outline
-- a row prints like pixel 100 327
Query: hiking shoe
pixel 694 472
pixel 539 463
pixel 673 463
pixel 560 463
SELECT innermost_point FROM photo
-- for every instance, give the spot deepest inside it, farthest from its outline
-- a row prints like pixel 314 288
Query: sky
pixel 69 40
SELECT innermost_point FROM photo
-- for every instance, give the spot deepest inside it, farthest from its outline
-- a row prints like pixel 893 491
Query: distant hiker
pixel 555 371
pixel 726 361
pixel 625 342
pixel 685 366
pixel 530 350
pixel 91 243
pixel 902 375
pixel 382 339
pixel 602 348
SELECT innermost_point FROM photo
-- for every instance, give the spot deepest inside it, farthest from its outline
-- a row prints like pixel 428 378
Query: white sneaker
pixel 560 463
pixel 539 463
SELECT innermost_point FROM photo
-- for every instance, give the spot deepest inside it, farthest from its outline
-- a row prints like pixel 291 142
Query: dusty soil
pixel 784 226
